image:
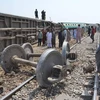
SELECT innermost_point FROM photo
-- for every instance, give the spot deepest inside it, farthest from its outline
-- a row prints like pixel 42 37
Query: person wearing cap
pixel 40 37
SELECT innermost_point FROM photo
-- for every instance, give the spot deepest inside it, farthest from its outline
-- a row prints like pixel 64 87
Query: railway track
pixel 92 87
pixel 35 92
pixel 17 88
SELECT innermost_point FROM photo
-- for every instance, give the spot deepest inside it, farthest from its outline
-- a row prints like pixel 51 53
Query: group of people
pixel 66 34
pixel 91 32
pixel 47 37
pixel 43 14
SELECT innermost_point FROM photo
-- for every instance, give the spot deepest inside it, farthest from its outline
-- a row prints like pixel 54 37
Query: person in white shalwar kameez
pixel 49 39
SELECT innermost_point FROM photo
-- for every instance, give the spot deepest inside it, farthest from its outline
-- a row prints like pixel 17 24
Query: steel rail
pixel 6 97
pixel 95 87
pixel 96 78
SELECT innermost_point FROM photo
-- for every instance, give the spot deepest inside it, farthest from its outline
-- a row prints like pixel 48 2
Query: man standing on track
pixel 78 35
pixel 44 37
pixel 49 38
pixel 40 37
pixel 53 38
pixel 60 38
pixel 75 32
pixel 89 30
pixel 68 36
pixel 92 33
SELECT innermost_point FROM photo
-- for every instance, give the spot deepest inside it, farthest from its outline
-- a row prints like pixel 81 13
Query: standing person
pixel 82 33
pixel 92 33
pixel 68 36
pixel 78 35
pixel 43 15
pixel 44 37
pixel 60 38
pixel 71 32
pixel 75 32
pixel 89 30
pixel 40 37
pixel 36 13
pixel 53 38
pixel 49 38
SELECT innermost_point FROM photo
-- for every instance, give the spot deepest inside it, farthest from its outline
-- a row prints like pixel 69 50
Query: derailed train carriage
pixel 18 30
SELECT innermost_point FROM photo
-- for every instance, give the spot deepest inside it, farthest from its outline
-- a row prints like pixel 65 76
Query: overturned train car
pixel 18 30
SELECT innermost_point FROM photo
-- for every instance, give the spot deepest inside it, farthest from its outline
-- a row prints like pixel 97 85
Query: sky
pixel 86 11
